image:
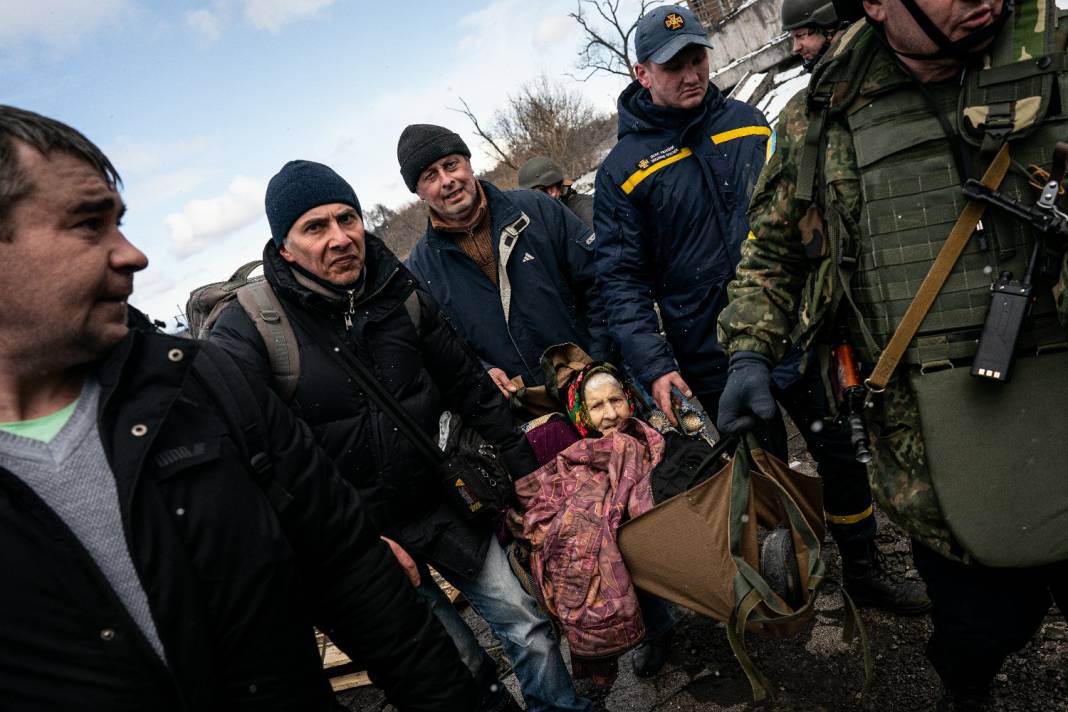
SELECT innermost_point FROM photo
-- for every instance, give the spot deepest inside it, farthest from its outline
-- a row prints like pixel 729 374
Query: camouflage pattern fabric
pixel 574 506
pixel 787 283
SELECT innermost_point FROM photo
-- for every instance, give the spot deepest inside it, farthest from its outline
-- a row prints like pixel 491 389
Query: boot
pixel 866 577
pixel 650 656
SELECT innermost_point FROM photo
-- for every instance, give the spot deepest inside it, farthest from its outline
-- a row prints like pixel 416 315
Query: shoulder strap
pixel 260 302
pixel 366 380
pixel 936 277
pixel 245 420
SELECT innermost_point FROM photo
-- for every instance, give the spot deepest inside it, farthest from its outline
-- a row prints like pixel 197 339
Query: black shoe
pixel 650 656
pixel 778 566
pixel 870 583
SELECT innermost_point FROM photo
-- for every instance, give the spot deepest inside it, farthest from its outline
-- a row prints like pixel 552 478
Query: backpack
pixel 260 302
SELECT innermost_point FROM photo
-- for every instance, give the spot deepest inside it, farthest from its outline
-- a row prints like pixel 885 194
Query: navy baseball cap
pixel 665 31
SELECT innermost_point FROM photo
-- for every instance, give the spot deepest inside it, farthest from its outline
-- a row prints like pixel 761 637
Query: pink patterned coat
pixel 574 505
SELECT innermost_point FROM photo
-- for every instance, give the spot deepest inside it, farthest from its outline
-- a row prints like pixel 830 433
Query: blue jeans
pixel 525 632
pixel 656 612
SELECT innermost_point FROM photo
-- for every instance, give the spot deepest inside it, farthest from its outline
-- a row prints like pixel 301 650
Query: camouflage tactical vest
pixel 910 185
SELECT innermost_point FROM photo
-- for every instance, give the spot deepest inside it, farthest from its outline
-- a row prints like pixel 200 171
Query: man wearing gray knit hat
pixel 518 249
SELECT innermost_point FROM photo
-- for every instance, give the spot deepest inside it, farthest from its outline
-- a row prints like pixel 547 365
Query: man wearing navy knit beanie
pixel 342 291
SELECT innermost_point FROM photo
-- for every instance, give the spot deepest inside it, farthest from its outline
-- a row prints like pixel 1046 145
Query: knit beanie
pixel 422 144
pixel 299 187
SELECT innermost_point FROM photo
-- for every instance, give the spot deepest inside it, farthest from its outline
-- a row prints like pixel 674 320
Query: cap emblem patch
pixel 674 21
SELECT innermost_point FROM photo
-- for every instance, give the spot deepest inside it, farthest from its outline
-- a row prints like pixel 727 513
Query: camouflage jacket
pixel 787 287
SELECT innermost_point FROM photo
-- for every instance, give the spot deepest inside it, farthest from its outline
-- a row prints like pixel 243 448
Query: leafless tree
pixel 486 135
pixel 607 38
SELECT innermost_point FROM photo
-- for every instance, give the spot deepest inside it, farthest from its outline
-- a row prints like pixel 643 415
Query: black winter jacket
pixel 428 370
pixel 234 583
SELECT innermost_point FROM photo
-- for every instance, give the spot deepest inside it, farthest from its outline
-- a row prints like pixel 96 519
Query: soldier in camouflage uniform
pixel 865 199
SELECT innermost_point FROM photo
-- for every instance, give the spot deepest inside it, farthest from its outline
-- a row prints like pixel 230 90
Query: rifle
pixel 852 394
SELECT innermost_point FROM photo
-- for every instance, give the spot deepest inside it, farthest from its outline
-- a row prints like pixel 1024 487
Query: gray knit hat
pixel 422 144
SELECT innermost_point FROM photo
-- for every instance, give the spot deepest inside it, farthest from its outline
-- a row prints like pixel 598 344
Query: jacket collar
pixel 638 113
pixel 502 212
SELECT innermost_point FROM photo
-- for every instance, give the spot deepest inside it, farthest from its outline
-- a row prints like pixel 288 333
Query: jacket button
pixel 139 430
pixel 180 511
pixel 176 355
pixel 107 635
pixel 252 688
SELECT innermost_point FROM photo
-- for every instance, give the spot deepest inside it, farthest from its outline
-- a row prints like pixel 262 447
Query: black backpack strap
pixel 226 385
pixel 367 380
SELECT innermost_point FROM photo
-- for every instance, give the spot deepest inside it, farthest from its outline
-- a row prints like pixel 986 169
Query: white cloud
pixel 205 22
pixel 133 156
pixel 57 24
pixel 270 15
pixel 203 223
pixel 553 30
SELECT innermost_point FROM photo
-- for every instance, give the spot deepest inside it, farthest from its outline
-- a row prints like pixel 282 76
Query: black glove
pixel 747 396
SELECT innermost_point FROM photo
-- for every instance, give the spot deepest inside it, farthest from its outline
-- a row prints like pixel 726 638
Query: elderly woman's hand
pixel 514 521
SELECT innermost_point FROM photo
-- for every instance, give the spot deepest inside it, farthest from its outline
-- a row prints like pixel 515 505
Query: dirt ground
pixel 812 671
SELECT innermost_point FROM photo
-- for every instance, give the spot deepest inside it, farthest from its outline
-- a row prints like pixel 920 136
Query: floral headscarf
pixel 576 404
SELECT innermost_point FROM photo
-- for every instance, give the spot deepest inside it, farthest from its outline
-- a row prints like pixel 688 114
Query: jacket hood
pixel 379 266
pixel 638 113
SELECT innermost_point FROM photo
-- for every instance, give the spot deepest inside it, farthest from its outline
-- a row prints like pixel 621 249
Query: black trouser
pixel 981 615
pixel 846 492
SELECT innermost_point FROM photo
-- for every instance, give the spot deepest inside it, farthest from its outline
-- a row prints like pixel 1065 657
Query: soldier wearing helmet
pixel 813 25
pixel 540 173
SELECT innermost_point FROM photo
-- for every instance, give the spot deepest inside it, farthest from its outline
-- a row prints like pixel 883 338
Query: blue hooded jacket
pixel 546 278
pixel 670 213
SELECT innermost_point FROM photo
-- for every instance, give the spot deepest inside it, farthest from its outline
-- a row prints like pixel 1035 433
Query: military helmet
pixel 539 171
pixel 804 13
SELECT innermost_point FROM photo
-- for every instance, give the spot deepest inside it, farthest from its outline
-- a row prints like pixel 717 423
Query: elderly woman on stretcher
pixel 602 464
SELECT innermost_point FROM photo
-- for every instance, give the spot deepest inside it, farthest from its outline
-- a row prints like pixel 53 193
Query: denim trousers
pixel 525 632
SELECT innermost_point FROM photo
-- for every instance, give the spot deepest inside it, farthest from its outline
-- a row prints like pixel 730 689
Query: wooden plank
pixel 350 681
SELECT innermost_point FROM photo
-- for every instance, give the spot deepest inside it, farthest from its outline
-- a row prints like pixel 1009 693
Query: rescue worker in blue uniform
pixel 670 216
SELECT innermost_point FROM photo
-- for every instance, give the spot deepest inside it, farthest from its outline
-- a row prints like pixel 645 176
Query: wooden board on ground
pixel 338 666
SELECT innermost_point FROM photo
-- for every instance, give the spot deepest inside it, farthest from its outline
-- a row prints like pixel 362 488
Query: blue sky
pixel 199 103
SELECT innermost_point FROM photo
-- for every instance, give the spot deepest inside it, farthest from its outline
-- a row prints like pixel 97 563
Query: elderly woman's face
pixel 606 403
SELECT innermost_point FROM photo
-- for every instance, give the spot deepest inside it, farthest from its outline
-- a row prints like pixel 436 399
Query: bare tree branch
pixel 607 50
pixel 488 138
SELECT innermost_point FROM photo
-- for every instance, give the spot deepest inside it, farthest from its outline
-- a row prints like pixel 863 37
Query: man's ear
pixel 641 73
pixel 286 254
pixel 876 10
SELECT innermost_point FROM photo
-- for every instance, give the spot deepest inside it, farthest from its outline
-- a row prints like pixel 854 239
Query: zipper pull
pixel 352 309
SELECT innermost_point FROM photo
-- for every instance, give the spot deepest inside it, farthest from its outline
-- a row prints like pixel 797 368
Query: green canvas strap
pixel 261 304
pixel 936 277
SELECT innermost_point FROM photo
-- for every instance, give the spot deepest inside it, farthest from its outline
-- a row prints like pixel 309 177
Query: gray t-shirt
pixel 72 475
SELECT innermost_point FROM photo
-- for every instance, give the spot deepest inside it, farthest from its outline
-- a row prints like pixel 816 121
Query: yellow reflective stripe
pixel 636 178
pixel 751 236
pixel 741 132
pixel 849 518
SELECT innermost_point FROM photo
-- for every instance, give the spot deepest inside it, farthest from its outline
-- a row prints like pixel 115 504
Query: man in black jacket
pixel 342 289
pixel 168 531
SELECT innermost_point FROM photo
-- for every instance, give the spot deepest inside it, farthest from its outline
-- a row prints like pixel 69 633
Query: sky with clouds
pixel 198 104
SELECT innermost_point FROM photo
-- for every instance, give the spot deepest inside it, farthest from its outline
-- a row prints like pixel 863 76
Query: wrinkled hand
pixel 514 521
pixel 747 397
pixel 501 380
pixel 661 389
pixel 407 562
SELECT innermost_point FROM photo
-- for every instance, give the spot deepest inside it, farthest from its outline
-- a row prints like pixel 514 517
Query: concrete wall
pixel 749 40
